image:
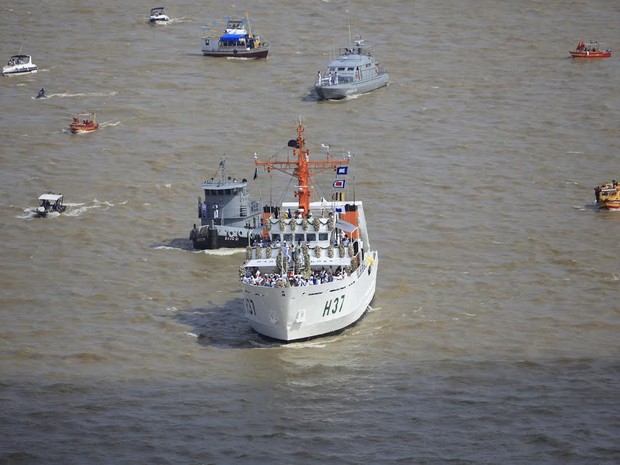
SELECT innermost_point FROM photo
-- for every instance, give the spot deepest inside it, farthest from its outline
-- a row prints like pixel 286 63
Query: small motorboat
pixel 158 16
pixel 590 50
pixel 50 202
pixel 19 64
pixel 608 195
pixel 84 122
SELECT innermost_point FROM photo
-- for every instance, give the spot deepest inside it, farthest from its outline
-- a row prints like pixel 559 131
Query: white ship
pixel 313 272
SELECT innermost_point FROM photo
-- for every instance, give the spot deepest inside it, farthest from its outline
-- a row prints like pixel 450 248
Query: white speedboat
pixel 19 64
pixel 355 71
pixel 158 15
pixel 313 271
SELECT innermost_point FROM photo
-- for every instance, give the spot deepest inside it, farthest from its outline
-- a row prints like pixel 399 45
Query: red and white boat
pixel 84 122
pixel 590 50
pixel 608 195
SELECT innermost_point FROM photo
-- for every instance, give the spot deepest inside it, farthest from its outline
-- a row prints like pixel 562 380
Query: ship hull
pixel 298 313
pixel 19 70
pixel 217 238
pixel 254 53
pixel 340 91
pixel 584 54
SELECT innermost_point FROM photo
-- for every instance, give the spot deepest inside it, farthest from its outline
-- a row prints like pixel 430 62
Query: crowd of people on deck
pixel 256 278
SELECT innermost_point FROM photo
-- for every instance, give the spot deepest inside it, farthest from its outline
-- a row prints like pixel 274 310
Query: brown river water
pixel 494 334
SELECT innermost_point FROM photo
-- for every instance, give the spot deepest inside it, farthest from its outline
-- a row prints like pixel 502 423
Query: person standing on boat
pixel 335 78
pixel 203 210
pixel 318 77
pixel 216 211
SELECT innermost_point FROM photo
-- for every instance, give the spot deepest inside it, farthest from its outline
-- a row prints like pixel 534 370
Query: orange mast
pixel 302 168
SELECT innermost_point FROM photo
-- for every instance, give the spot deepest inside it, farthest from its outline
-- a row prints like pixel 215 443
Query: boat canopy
pixel 232 37
pixel 50 197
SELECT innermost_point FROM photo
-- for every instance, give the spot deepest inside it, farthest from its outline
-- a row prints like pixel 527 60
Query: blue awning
pixel 232 37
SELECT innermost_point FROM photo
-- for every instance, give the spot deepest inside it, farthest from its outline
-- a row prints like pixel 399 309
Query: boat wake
pixel 180 20
pixel 105 124
pixel 186 245
pixel 80 94
pixel 222 252
pixel 79 209
pixel 30 213
pixel 73 209
pixel 175 244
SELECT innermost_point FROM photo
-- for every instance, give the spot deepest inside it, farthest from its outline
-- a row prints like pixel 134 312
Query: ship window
pixel 323 236
pixel 300 238
pixel 311 237
pixel 288 237
pixel 275 237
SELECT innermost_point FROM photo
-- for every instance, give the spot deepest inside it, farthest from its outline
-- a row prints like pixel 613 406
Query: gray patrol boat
pixel 227 215
pixel 354 72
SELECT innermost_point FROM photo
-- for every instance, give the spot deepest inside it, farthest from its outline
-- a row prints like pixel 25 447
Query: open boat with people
pixel 312 272
pixel 227 214
pixel 238 41
pixel 50 202
pixel 84 122
pixel 608 195
pixel 158 16
pixel 355 71
pixel 590 50
pixel 19 64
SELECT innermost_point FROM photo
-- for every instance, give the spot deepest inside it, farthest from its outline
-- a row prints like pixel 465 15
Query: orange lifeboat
pixel 84 122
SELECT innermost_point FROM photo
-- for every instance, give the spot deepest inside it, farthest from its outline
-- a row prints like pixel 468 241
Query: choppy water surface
pixel 494 333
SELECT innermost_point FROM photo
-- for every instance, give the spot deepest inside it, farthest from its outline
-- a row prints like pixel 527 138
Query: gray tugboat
pixel 228 217
pixel 354 72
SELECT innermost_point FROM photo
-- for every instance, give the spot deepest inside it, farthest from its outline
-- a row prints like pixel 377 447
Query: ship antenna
pixel 249 26
pixel 349 24
pixel 223 168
